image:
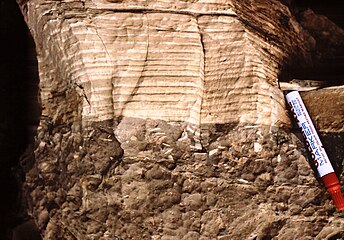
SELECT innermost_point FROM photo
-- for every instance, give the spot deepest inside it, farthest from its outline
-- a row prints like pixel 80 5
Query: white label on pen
pixel 314 145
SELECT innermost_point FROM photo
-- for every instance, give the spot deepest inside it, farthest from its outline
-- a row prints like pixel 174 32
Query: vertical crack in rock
pixel 137 86
pixel 197 107
pixel 83 93
pixel 110 60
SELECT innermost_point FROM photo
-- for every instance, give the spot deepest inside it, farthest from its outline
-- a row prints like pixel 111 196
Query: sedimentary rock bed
pixel 163 120
pixel 247 183
pixel 177 61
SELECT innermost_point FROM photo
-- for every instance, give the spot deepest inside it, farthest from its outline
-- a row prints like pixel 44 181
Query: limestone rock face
pixel 193 61
pixel 164 120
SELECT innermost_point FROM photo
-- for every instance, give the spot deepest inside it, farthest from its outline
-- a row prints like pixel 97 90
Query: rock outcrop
pixel 164 120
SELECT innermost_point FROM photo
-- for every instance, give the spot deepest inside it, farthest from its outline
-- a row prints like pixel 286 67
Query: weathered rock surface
pixel 327 106
pixel 163 120
pixel 188 61
pixel 248 183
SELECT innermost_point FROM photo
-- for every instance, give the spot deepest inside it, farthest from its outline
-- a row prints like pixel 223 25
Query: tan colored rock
pixel 326 108
pixel 194 61
pixel 159 122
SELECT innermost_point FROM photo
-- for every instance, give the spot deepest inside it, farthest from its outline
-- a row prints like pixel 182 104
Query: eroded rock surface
pixel 163 120
pixel 194 61
pixel 326 105
pixel 248 183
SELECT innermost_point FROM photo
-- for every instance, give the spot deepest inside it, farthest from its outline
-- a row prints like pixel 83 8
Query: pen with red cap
pixel 315 147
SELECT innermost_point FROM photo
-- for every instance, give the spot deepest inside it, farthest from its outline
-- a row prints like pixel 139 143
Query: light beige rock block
pixel 195 61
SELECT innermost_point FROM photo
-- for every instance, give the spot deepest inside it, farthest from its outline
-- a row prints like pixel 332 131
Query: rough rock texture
pixel 248 183
pixel 163 120
pixel 327 105
pixel 329 37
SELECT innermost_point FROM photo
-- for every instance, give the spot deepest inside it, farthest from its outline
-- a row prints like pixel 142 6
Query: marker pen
pixel 315 147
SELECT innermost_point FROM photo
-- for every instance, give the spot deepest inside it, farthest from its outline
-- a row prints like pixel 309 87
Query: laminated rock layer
pixel 199 62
